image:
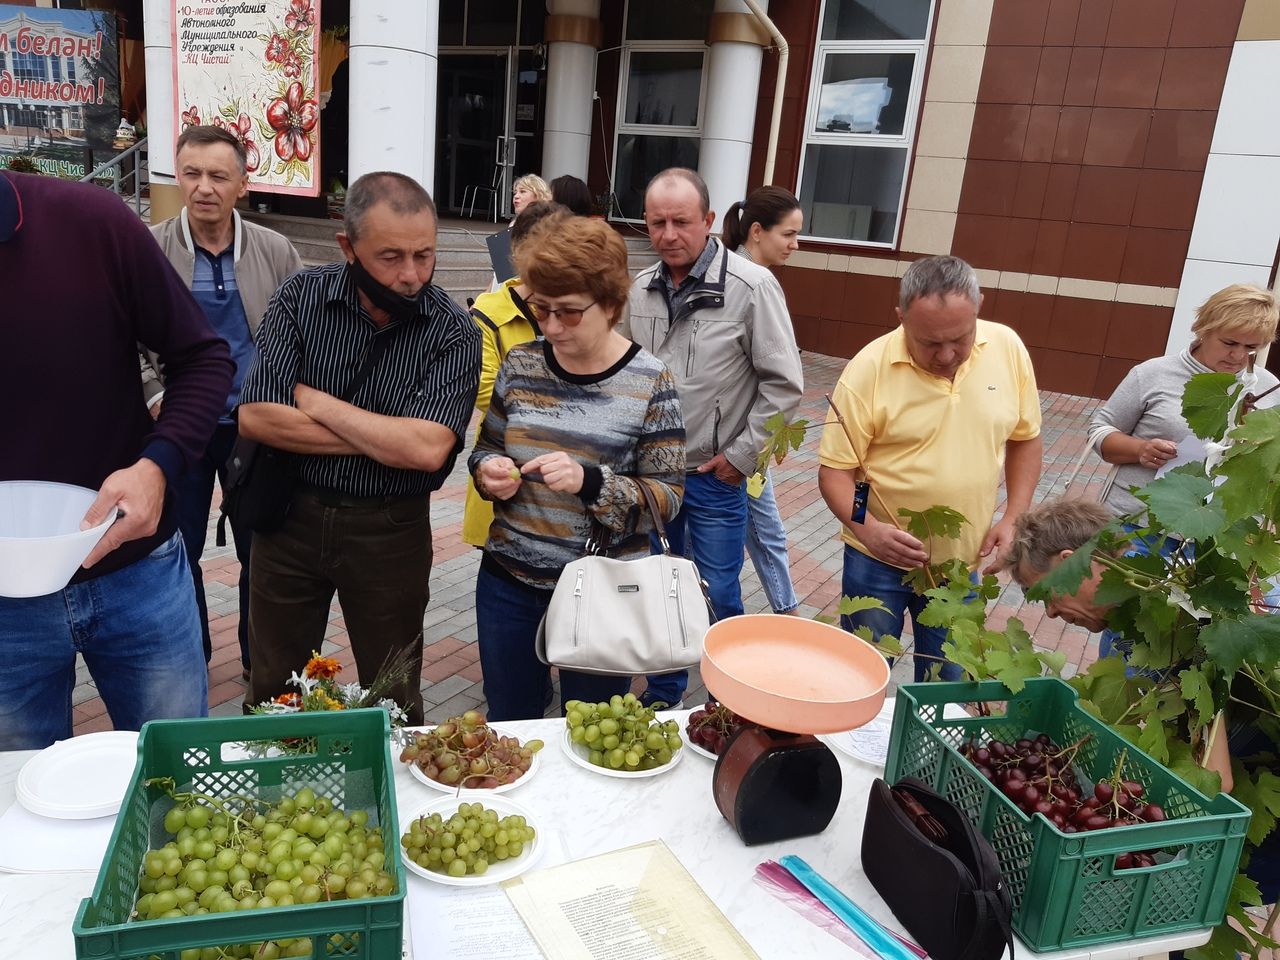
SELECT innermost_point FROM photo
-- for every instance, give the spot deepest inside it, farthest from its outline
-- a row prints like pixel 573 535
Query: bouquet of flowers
pixel 318 689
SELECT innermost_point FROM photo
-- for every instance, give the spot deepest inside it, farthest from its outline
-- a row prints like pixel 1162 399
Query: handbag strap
pixel 377 348
pixel 989 908
pixel 659 527
pixel 601 537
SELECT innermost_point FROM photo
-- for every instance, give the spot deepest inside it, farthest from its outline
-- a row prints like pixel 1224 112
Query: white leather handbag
pixel 626 617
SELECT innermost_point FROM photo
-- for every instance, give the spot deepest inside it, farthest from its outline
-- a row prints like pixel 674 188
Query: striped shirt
pixel 316 332
pixel 623 425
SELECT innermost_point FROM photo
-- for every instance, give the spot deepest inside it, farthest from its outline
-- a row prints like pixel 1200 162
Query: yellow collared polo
pixel 923 440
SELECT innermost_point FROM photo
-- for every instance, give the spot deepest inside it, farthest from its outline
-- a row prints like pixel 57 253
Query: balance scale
pixel 795 678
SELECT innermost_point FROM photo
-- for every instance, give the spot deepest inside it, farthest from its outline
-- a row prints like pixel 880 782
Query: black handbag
pixel 261 479
pixel 942 880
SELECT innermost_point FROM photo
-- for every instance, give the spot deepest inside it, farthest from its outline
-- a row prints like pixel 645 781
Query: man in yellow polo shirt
pixel 935 409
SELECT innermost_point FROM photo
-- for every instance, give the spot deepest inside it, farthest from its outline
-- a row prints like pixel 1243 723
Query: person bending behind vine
pixel 1046 535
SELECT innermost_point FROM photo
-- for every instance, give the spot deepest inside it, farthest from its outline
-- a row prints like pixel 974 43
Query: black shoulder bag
pixel 261 479
pixel 937 873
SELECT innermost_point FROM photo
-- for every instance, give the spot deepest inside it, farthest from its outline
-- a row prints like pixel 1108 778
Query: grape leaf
pixel 1154 740
pixel 776 422
pixel 1183 763
pixel 1065 579
pixel 1227 942
pixel 1197 690
pixel 1207 401
pixel 1252 464
pixel 1055 660
pixel 848 606
pixel 937 521
pixel 1246 541
pixel 950 602
pixel 1261 794
pixel 1177 500
pixel 1105 686
pixel 1253 638
pixel 755 485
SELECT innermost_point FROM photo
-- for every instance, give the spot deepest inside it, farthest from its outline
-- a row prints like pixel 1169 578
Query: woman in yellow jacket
pixel 504 321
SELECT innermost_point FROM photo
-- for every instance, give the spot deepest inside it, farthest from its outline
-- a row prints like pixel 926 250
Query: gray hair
pixel 404 195
pixel 1043 532
pixel 938 277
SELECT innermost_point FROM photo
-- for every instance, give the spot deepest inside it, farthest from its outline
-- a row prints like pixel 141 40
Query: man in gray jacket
pixel 720 323
pixel 233 269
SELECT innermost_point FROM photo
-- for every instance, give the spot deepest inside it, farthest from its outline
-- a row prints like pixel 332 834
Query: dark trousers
pixel 376 554
pixel 192 497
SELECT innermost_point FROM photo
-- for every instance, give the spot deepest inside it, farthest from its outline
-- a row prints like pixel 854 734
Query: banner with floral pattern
pixel 253 69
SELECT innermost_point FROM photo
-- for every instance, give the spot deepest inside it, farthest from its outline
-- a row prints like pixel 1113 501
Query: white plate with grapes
pixel 580 754
pixel 498 762
pixel 496 812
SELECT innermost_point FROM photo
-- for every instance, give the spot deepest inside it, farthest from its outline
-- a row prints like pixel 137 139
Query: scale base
pixel 773 786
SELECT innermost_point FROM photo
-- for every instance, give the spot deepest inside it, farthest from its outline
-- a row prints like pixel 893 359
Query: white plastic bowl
pixel 41 543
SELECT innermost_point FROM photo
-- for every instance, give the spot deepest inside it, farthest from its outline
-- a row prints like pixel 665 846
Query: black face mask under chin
pixel 383 297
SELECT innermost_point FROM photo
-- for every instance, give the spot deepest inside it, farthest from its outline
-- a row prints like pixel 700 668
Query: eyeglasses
pixel 569 316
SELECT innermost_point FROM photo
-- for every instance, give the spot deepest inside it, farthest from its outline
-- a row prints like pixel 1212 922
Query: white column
pixel 157 33
pixel 394 59
pixel 729 115
pixel 571 77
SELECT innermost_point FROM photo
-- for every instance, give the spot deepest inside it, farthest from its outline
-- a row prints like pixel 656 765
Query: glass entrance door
pixel 475 143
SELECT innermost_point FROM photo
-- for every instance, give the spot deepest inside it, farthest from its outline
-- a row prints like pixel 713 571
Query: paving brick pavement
pixel 451 680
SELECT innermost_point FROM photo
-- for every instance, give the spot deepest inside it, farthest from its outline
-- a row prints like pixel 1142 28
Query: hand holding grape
pixel 560 472
pixel 499 477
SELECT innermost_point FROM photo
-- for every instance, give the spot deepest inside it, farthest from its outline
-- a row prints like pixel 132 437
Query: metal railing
pixel 125 175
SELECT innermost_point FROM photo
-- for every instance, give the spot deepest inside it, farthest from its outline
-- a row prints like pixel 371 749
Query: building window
pixel 661 95
pixel 864 101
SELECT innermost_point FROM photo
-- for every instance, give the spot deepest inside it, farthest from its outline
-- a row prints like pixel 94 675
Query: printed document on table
pixel 475 923
pixel 638 903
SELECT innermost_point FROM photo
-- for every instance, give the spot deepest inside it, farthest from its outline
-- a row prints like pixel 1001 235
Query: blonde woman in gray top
pixel 1140 426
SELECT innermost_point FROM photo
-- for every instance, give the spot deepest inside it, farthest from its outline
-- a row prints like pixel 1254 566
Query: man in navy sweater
pixel 84 283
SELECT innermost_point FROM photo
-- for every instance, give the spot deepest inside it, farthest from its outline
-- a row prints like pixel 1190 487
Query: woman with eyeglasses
pixel 1140 426
pixel 577 422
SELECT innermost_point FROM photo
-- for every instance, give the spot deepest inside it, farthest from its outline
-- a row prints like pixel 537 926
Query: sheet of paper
pixel 638 903
pixel 33 844
pixel 478 923
pixel 1190 450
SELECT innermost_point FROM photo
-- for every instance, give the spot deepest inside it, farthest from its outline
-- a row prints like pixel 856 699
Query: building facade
pixel 1105 164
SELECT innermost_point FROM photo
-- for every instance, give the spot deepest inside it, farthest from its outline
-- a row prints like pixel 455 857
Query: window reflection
pixel 864 93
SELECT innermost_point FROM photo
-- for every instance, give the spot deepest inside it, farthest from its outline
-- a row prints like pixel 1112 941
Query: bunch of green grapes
pixel 467 842
pixel 622 734
pixel 240 853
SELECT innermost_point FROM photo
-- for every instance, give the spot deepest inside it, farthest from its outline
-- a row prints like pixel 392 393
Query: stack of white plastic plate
pixel 80 778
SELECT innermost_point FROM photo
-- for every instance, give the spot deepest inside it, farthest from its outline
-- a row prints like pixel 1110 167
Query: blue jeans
pixel 138 632
pixel 714 516
pixel 515 680
pixel 868 577
pixel 767 545
pixel 192 496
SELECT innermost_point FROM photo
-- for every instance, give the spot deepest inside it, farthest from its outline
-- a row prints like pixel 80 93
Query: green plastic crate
pixel 1066 889
pixel 351 766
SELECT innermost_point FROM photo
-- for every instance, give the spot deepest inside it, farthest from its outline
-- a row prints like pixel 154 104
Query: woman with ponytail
pixel 765 228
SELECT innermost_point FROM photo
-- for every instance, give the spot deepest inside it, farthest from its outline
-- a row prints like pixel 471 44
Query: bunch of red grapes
pixel 1038 777
pixel 711 726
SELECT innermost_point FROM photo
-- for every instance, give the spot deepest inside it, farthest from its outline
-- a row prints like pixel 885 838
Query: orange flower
pixel 289 699
pixel 322 668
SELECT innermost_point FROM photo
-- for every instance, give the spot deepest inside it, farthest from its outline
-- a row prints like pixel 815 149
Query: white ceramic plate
pixel 416 772
pixel 579 753
pixel 699 750
pixel 499 870
pixel 81 778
